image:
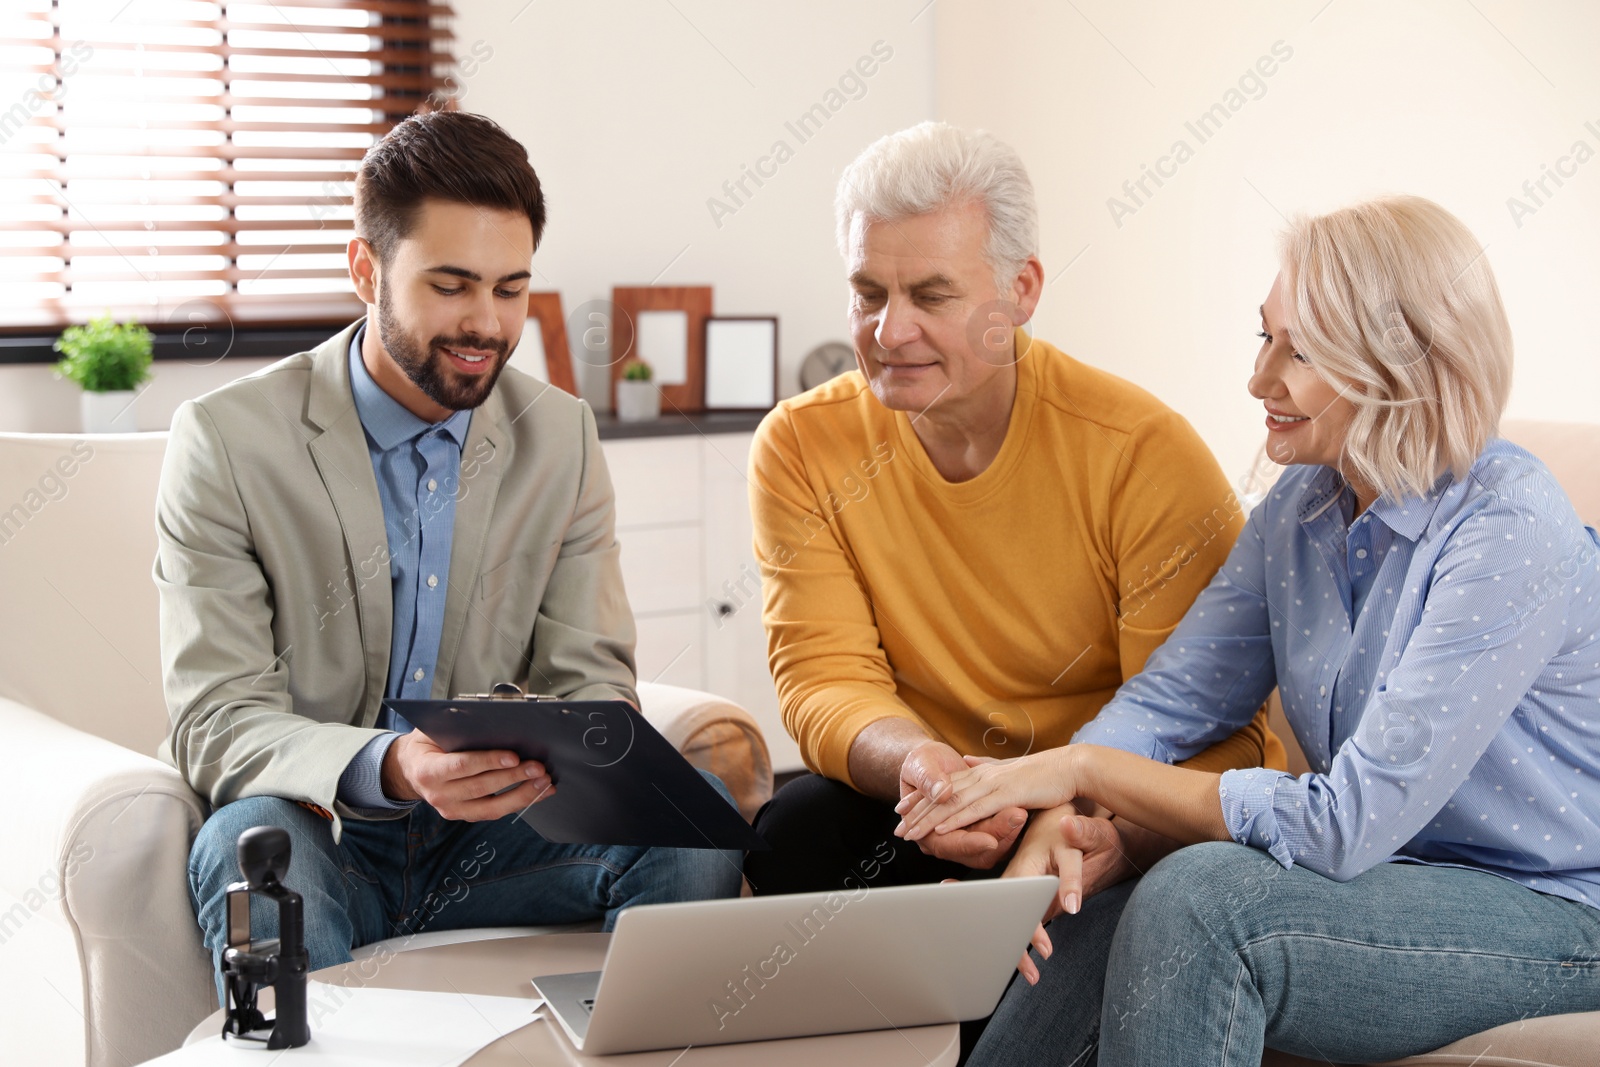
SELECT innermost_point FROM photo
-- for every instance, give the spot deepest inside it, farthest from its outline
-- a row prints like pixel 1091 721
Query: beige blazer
pixel 273 570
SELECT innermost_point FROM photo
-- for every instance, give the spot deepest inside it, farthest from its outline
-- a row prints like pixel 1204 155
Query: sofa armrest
pixel 99 843
pixel 715 735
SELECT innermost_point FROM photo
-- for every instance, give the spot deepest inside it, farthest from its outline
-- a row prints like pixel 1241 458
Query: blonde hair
pixel 934 165
pixel 1393 303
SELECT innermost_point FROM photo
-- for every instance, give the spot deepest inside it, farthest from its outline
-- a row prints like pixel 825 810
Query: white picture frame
pixel 741 362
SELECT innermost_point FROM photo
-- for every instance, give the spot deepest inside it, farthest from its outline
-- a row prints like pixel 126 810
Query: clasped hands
pixel 983 787
pixel 978 843
pixel 943 803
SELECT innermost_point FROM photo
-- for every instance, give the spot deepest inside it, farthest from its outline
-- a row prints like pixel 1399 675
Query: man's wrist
pixel 361 781
pixel 390 778
pixel 878 752
pixel 1043 823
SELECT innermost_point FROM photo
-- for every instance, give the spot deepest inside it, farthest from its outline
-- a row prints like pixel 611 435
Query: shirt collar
pixel 384 418
pixel 1408 516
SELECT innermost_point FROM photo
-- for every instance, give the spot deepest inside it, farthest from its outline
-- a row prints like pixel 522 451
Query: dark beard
pixel 427 367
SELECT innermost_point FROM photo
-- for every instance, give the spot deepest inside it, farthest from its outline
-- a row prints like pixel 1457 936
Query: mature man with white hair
pixel 968 543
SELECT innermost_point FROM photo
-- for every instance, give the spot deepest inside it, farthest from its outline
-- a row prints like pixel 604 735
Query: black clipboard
pixel 618 781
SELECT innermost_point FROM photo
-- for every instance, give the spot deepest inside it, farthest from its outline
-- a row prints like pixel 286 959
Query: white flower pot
pixel 109 412
pixel 638 401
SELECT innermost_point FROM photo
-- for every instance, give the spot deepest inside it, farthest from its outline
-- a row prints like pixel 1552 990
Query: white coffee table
pixel 504 968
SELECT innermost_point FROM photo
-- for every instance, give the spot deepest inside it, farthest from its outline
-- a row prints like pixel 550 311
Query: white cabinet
pixel 683 519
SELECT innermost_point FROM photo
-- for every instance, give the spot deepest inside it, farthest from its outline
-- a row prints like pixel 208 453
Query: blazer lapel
pixel 484 459
pixel 340 453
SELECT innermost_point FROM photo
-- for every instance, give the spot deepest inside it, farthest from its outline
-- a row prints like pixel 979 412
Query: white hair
pixel 932 166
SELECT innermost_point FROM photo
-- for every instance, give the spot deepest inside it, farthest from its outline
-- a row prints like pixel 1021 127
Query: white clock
pixel 826 362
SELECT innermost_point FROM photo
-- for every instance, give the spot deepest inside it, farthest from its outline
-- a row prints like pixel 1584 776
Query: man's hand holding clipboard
pixel 469 786
pixel 581 772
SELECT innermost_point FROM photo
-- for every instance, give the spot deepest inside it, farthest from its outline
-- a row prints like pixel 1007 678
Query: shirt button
pixel 433 580
pixel 432 484
pixel 417 677
pixel 1361 553
pixel 1322 690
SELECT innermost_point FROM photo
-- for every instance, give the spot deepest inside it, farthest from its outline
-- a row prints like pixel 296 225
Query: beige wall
pixel 1454 101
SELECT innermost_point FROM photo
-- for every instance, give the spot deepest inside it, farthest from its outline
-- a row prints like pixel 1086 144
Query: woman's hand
pixel 1085 853
pixel 1043 851
pixel 1042 780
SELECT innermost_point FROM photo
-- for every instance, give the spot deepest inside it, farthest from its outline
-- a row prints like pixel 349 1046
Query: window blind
pixel 181 160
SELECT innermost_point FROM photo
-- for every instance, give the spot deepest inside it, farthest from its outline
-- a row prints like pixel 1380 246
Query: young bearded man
pixel 398 515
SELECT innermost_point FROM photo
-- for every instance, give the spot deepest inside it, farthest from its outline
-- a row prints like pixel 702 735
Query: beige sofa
pixel 100 956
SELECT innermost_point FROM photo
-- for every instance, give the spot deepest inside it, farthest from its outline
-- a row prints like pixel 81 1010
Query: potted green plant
pixel 638 399
pixel 109 362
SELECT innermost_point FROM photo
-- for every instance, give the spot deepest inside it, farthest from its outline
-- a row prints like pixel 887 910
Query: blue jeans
pixel 1058 1020
pixel 1219 951
pixel 420 872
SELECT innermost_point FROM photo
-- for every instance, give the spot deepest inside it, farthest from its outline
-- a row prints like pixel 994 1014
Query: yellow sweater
pixel 1000 612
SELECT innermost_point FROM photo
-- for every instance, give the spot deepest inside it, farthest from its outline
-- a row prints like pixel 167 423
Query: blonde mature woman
pixel 1423 596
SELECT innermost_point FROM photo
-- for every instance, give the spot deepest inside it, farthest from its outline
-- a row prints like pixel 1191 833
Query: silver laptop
pixel 715 971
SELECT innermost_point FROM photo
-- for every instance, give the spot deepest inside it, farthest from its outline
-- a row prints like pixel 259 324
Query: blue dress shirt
pixel 418 466
pixel 1438 662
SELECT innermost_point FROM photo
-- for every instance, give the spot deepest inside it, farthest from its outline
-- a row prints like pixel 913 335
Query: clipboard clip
pixel 505 691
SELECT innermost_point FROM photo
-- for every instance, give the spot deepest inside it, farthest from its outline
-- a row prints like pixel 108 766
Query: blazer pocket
pixel 502 618
pixel 492 583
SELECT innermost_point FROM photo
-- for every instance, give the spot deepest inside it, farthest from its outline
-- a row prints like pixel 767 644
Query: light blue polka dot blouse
pixel 1438 659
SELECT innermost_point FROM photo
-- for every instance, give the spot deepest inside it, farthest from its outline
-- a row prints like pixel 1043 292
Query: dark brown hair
pixel 447 155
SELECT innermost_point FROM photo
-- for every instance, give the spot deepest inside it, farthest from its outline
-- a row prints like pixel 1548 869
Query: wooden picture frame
pixel 742 363
pixel 628 302
pixel 546 307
